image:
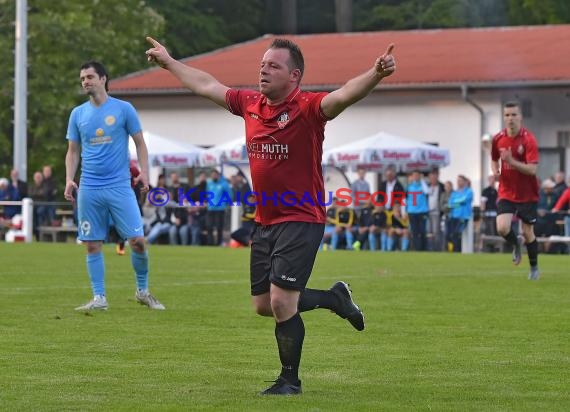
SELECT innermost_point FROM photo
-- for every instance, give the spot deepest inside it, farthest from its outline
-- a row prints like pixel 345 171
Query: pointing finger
pixel 389 49
pixel 152 41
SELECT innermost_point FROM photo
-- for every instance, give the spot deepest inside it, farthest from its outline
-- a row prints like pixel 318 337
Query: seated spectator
pixel 343 225
pixel 242 236
pixel 545 225
pixel 379 228
pixel 364 220
pixel 398 232
pixel 197 225
pixel 489 197
pixel 160 225
pixel 179 230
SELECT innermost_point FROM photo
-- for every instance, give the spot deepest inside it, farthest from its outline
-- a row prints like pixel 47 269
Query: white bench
pixel 56 233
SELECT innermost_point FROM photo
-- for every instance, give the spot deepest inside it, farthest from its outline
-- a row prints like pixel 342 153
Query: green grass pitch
pixel 445 332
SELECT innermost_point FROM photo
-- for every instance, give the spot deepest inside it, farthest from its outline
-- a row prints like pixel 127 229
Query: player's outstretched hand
pixel 385 65
pixel 157 53
pixel 70 190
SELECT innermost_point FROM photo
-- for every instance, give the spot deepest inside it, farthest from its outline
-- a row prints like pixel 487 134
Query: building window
pixel 526 108
pixel 563 138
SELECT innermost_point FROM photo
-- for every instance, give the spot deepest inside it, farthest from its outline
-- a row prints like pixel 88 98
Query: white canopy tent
pixel 164 152
pixel 233 151
pixel 382 149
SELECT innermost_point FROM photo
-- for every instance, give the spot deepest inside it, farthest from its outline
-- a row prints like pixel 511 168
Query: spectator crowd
pixel 411 212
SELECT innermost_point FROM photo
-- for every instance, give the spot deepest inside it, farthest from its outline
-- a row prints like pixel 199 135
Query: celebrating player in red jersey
pixel 284 137
pixel 514 156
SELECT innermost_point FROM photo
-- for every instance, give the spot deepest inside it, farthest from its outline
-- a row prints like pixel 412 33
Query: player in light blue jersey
pixel 98 134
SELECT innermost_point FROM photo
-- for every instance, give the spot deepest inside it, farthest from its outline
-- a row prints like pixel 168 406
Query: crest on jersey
pixel 283 120
pixel 110 120
pixel 520 149
pixel 99 132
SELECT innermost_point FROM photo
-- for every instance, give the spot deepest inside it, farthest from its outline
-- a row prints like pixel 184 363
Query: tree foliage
pixel 196 26
pixel 427 14
pixel 539 12
pixel 61 36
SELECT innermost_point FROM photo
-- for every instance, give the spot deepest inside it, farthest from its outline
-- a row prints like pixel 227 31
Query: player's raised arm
pixel 359 87
pixel 198 81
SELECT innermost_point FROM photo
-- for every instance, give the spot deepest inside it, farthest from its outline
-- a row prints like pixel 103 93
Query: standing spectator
pixel 199 187
pixel 390 186
pixel 51 192
pixel 19 191
pixel 197 213
pixel 514 160
pixel 563 205
pixel 489 198
pixel 162 219
pixel 280 117
pixel 179 230
pixel 220 195
pixel 362 186
pixel 435 192
pixel 559 184
pixel 98 135
pixel 444 205
pixel 38 195
pixel 20 185
pixel 417 209
pixel 8 193
pixel 461 209
pixel 240 187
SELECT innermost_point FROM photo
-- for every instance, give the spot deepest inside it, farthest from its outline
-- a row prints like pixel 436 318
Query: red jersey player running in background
pixel 514 159
pixel 284 138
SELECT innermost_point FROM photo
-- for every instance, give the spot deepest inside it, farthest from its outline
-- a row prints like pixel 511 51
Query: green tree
pixel 539 12
pixel 61 36
pixel 426 14
pixel 197 26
